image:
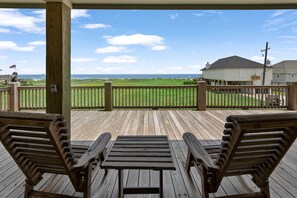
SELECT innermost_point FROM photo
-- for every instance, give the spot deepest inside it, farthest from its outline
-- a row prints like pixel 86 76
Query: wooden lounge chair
pixel 39 143
pixel 251 144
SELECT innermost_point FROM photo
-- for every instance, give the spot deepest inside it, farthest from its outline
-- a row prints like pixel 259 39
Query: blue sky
pixel 135 41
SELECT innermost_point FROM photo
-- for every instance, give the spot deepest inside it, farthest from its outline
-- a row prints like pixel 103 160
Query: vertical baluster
pixel 83 95
pixel 80 91
pixel 73 101
pixel 121 93
pixel 2 104
pixel 43 99
pixel 144 102
pixel 126 97
pixel 149 95
pixel 3 101
pixel 30 98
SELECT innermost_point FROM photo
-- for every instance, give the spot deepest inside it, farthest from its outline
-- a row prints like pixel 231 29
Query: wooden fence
pixel 246 97
pixel 32 98
pixel 154 97
pixel 4 98
pixel 87 97
pixel 187 96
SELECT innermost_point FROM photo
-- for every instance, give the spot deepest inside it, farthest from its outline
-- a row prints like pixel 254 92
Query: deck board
pixel 207 126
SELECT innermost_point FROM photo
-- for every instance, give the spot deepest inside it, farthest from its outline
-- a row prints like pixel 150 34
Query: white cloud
pixel 26 23
pixel 96 26
pixel 10 45
pixel 74 13
pixel 79 13
pixel 110 49
pixel 32 23
pixel 173 16
pixel 135 39
pixel 120 59
pixel 159 47
pixel 4 30
pixel 280 20
pixel 83 60
pixel 198 14
pixel 37 43
pixel 208 13
pixel 278 13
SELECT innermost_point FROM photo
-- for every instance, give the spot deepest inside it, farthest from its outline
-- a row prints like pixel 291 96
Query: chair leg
pixel 28 188
pixel 204 181
pixel 102 158
pixel 87 182
pixel 189 161
pixel 265 190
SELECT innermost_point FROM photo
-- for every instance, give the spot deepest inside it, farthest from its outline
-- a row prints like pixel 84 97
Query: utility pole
pixel 265 62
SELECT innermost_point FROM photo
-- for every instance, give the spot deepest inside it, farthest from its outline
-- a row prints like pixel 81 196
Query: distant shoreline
pixel 114 76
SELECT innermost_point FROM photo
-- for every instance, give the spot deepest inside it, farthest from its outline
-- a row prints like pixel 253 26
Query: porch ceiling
pixel 157 4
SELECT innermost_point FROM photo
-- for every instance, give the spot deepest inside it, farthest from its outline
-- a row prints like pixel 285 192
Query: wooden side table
pixel 140 152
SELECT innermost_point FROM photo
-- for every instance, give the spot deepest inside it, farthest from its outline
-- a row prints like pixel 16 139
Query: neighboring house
pixel 284 72
pixel 235 70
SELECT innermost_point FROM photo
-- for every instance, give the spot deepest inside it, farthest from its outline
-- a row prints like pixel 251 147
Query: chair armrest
pixel 199 153
pixel 93 151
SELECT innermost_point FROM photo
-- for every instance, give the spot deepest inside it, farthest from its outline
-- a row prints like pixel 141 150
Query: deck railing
pixel 4 98
pixel 247 96
pixel 87 97
pixel 154 97
pixel 32 98
pixel 190 96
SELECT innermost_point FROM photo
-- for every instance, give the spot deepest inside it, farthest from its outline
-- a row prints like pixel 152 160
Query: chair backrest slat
pixel 255 144
pixel 38 143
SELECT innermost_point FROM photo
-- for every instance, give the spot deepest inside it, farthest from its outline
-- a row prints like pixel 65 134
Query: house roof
pixel 157 4
pixel 286 64
pixel 234 62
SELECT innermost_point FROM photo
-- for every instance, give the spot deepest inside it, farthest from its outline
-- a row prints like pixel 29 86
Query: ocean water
pixel 112 76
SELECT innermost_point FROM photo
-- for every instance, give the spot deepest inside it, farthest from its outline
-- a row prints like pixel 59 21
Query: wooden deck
pixel 208 126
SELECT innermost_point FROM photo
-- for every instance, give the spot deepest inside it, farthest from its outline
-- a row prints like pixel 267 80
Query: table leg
pixel 161 183
pixel 121 195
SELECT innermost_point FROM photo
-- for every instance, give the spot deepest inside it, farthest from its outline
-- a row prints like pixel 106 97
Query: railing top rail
pixel 247 86
pixel 87 87
pixel 31 87
pixel 4 88
pixel 154 86
pixel 43 87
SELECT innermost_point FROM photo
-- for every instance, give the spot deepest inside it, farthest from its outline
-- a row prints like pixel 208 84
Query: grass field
pixel 118 82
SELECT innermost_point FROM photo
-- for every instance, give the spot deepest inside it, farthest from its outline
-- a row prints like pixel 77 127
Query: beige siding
pixel 238 74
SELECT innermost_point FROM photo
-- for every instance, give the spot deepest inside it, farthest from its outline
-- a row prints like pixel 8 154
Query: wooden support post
pixel 58 32
pixel 14 96
pixel 292 96
pixel 201 96
pixel 108 96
